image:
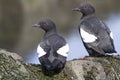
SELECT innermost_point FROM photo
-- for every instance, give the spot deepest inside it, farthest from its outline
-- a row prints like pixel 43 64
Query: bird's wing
pixel 87 33
pixel 89 40
pixel 109 33
pixel 63 50
pixel 107 29
pixel 43 48
pixel 61 46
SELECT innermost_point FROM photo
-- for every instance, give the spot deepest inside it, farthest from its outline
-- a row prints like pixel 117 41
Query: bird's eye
pixel 85 7
pixel 45 24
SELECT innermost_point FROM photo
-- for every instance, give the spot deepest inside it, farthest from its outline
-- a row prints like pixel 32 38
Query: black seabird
pixel 53 49
pixel 96 36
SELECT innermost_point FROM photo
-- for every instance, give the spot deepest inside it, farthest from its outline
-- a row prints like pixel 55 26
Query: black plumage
pixel 53 48
pixel 96 36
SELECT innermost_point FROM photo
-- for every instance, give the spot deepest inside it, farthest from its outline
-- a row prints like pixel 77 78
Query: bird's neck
pixel 50 32
pixel 87 16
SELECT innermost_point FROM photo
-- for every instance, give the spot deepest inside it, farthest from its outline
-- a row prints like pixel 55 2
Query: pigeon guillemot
pixel 96 36
pixel 53 49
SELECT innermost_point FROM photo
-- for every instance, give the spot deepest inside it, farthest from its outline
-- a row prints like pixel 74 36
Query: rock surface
pixel 105 68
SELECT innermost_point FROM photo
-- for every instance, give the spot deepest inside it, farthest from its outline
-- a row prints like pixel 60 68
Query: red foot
pixel 85 57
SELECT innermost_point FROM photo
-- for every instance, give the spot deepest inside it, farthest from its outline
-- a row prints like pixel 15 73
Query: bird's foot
pixel 85 57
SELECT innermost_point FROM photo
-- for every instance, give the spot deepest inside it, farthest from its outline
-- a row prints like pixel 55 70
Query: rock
pixel 94 68
pixel 12 67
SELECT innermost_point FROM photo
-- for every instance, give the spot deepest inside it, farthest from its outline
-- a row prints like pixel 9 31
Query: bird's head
pixel 46 25
pixel 85 9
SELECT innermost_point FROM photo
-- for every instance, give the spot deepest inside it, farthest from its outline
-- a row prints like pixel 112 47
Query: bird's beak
pixel 76 9
pixel 35 25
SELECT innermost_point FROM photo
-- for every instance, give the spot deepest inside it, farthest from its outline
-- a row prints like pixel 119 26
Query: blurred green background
pixel 17 17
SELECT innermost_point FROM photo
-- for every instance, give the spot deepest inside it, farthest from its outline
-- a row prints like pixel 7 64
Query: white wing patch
pixel 111 35
pixel 63 50
pixel 40 51
pixel 88 38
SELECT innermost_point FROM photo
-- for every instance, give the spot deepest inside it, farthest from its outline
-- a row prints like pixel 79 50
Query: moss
pixel 13 69
pixel 37 71
pixel 10 70
pixel 85 70
pixel 90 74
pixel 111 67
pixel 115 63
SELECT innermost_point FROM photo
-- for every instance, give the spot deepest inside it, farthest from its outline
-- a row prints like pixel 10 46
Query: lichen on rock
pixel 12 67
